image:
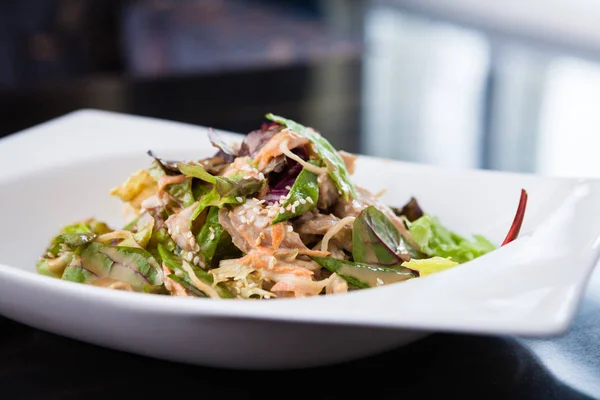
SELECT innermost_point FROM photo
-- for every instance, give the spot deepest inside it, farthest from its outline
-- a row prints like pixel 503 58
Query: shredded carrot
pixel 265 261
pixel 291 269
pixel 271 149
pixel 287 287
pixel 277 235
pixel 300 288
pixel 313 253
pixel 255 260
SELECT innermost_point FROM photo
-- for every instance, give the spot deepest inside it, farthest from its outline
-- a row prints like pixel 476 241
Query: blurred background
pixel 512 85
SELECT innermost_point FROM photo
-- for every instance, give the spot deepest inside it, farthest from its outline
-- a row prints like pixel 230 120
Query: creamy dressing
pixel 373 277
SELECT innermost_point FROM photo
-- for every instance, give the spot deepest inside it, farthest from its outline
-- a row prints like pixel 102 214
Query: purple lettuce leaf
pixel 280 182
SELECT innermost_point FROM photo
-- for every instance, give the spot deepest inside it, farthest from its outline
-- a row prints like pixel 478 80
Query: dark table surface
pixel 36 364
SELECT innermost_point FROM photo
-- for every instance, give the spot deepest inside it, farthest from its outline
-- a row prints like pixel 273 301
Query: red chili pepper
pixel 518 220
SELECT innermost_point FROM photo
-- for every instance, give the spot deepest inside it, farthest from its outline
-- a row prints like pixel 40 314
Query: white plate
pixel 61 171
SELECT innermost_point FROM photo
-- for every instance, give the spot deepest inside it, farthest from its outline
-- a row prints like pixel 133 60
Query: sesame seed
pixel 239 199
pixel 267 296
pixel 211 229
pixel 272 263
pixel 258 241
pixel 251 219
pixel 310 200
pixel 288 187
pixel 189 235
pixel 197 248
pixel 189 256
pixel 261 202
pixel 293 209
pixel 178 272
pixel 282 210
pixel 289 207
pixel 302 201
pixel 296 203
pixel 247 177
pixel 379 281
pixel 243 219
pixel 290 229
pixel 256 210
pixel 211 237
pixel 177 229
pixel 261 176
pixel 196 260
pixel 242 212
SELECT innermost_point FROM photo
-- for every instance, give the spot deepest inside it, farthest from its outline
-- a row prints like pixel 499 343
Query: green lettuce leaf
pixel 364 275
pixel 175 264
pixel 62 251
pixel 436 240
pixel 54 267
pixel 376 241
pixel 335 164
pixel 181 192
pixel 187 284
pixel 213 198
pixel 157 170
pixel 224 190
pixel 75 235
pixel 210 235
pixel 160 237
pixel 90 225
pixel 77 274
pixel 200 188
pixel 225 187
pixel 69 241
pixel 197 171
pixel 428 266
pixel 127 264
pixel 143 228
pixel 156 289
pixel 131 225
pixel 305 187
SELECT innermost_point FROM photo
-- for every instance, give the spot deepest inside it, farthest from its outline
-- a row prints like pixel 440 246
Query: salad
pixel 274 216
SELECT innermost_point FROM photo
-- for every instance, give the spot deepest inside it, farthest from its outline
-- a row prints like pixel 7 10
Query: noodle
pixel 312 168
pixel 334 230
pixel 207 289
